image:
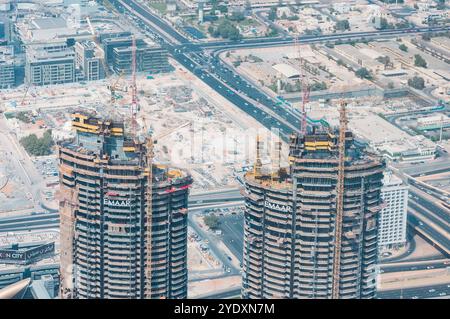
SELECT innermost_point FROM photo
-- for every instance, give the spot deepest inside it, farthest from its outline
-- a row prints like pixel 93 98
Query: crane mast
pixel 304 87
pixel 134 100
pixel 149 215
pixel 339 202
pixel 149 144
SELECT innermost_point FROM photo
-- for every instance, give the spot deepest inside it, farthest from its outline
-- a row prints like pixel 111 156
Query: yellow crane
pixel 339 202
pixel 149 214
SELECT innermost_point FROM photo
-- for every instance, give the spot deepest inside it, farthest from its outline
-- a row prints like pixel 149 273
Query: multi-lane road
pixel 225 81
pixel 437 291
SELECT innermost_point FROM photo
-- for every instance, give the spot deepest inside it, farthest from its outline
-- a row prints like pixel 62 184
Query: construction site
pixel 322 208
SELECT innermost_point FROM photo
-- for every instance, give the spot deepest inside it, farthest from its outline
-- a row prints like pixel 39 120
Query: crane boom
pixel 149 216
pixel 134 100
pixel 97 42
pixel 90 26
pixel 339 202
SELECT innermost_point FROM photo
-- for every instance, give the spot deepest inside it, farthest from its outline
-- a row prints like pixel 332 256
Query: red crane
pixel 304 87
pixel 134 99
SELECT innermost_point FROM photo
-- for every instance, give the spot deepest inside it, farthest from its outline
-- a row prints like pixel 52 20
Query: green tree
pixel 272 14
pixel 384 24
pixel 237 16
pixel 24 117
pixel 426 37
pixel 384 60
pixel 38 146
pixel 340 62
pixel 420 61
pixel 441 5
pixel 363 73
pixel 212 221
pixel 225 30
pixel 342 25
pixel 273 32
pixel 403 47
pixel 417 82
pixel 318 86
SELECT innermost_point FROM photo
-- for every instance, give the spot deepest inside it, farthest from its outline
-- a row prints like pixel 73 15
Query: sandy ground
pixel 209 286
pixel 198 261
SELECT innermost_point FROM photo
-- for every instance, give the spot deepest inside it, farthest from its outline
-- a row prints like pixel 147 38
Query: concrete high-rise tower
pixel 290 228
pixel 112 244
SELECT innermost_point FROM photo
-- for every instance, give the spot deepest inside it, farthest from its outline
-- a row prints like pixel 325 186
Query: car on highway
pixel 442 294
pixel 432 290
pixel 415 297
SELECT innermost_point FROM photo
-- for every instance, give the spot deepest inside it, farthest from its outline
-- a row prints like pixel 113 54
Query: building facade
pixel 88 61
pixel 7 67
pixel 47 65
pixel 289 227
pixel 392 230
pixel 149 58
pixel 112 244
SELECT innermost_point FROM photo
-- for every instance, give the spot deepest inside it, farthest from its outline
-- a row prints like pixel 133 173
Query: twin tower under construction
pixel 123 220
pixel 310 230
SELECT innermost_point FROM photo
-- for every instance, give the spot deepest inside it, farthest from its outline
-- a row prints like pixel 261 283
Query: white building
pixel 392 229
pixel 433 122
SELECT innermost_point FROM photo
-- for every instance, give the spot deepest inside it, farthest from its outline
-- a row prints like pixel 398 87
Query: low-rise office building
pixel 47 65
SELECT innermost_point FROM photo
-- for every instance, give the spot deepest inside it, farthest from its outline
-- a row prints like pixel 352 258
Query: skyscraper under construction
pixel 311 229
pixel 123 219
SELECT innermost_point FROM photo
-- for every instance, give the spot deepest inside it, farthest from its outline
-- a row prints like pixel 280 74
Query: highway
pixel 233 234
pixel 24 167
pixel 225 81
pixel 213 243
pixel 416 293
pixel 428 217
pixel 416 265
pixel 438 291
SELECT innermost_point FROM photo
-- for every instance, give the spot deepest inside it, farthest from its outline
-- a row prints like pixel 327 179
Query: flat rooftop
pixel 49 23
pixel 383 134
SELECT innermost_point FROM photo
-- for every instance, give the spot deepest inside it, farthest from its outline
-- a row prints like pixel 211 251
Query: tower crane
pixel 339 201
pixel 148 170
pixel 149 213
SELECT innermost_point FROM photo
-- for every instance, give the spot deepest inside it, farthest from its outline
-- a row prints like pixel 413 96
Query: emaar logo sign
pixel 283 208
pixel 117 203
